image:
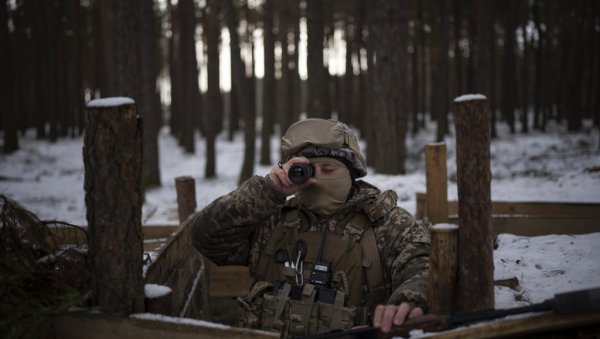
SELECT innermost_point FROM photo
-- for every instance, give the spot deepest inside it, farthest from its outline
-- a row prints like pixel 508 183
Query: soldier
pixel 326 251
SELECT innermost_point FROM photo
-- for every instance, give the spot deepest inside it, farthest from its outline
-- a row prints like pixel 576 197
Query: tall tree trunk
pixel 268 92
pixel 538 66
pixel 298 97
pixel 509 92
pixel 8 119
pixel 149 105
pixel 189 71
pixel 174 71
pixel 239 80
pixel 388 86
pixel 213 95
pixel 574 71
pixel 484 77
pixel 318 79
pixel 440 91
pixel 457 50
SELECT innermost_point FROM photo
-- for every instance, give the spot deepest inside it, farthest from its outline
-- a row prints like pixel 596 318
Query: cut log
pixel 112 157
pixel 475 279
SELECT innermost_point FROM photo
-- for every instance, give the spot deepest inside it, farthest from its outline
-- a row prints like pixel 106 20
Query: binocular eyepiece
pixel 299 173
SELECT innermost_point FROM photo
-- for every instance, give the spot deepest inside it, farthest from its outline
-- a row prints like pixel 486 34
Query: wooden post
pixel 442 268
pixel 112 157
pixel 186 196
pixel 475 279
pixel 437 183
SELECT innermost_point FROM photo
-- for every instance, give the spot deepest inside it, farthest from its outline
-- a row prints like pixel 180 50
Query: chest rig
pixel 312 279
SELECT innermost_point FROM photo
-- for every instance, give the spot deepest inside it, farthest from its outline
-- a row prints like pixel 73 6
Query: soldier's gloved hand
pixel 386 316
pixel 279 177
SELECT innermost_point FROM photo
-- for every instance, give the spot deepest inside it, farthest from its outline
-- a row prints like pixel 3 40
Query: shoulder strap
pixel 372 266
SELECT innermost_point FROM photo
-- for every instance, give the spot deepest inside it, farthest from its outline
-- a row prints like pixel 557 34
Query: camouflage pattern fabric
pixel 235 227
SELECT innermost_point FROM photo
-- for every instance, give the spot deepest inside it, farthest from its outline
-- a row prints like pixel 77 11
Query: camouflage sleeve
pixel 404 247
pixel 224 229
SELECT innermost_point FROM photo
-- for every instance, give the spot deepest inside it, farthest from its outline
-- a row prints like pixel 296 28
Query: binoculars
pixel 299 173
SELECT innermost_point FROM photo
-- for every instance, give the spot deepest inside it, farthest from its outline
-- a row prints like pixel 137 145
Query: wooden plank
pixel 229 281
pixel 537 226
pixel 73 235
pixel 437 182
pixel 158 231
pixel 180 267
pixel 101 326
pixel 531 208
pixel 537 326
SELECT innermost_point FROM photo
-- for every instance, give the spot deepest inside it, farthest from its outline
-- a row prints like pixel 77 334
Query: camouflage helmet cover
pixel 323 138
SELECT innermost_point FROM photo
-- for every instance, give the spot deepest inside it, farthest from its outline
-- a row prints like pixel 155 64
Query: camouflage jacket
pixel 235 227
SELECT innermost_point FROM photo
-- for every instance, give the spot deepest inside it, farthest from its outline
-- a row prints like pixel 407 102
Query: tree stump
pixel 437 183
pixel 185 186
pixel 443 268
pixel 112 156
pixel 475 279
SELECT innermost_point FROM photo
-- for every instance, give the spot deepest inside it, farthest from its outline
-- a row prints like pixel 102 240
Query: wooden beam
pixel 525 208
pixel 537 326
pixel 443 267
pixel 437 182
pixel 181 267
pixel 537 226
pixel 229 281
pixel 101 326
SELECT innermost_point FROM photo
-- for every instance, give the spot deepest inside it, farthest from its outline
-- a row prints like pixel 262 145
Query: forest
pixel 387 68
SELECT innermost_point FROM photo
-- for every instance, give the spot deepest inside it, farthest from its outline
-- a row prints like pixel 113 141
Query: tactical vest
pixel 315 288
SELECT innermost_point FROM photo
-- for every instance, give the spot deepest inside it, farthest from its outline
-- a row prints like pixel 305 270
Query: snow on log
pixel 475 278
pixel 112 157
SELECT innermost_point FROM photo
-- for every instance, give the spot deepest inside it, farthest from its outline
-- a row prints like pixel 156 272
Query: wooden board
pixel 537 326
pixel 532 218
pixel 228 281
pixel 102 326
pixel 524 208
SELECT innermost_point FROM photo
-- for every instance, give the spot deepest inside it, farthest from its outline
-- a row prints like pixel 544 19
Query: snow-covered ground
pixel 553 166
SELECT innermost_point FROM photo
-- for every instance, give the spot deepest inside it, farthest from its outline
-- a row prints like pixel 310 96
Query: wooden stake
pixel 475 280
pixel 112 157
pixel 442 269
pixel 186 196
pixel 437 183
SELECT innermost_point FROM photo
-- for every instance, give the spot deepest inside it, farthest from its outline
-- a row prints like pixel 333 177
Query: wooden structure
pixel 437 182
pixel 442 268
pixel 198 287
pixel 112 156
pixel 475 277
pixel 530 218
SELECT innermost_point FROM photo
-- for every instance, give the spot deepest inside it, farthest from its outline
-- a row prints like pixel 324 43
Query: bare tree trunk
pixel 8 116
pixel 149 102
pixel 318 79
pixel 268 92
pixel 214 104
pixel 443 101
pixel 509 92
pixel 388 86
pixel 239 80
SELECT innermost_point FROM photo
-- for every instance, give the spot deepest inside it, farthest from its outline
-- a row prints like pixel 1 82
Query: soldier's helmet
pixel 323 138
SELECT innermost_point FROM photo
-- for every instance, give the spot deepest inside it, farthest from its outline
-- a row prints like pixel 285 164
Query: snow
pixel 110 102
pixel 156 291
pixel 176 320
pixel 469 97
pixel 47 178
pixel 444 227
